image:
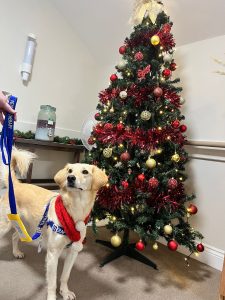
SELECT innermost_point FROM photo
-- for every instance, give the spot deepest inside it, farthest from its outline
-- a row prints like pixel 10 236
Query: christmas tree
pixel 139 141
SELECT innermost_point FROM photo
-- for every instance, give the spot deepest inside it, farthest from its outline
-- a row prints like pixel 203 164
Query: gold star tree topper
pixel 142 7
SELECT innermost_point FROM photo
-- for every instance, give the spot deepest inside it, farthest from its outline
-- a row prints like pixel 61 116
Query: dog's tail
pixel 21 160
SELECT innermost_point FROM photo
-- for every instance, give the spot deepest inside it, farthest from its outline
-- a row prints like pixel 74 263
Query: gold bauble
pixel 116 241
pixel 151 163
pixel 107 152
pixel 168 229
pixel 155 40
pixel 146 115
pixel 175 157
pixel 155 246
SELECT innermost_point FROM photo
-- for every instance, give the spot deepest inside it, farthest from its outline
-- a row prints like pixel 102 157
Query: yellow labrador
pixel 78 184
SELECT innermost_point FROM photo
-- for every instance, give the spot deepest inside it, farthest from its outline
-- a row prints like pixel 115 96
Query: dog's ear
pixel 60 176
pixel 99 178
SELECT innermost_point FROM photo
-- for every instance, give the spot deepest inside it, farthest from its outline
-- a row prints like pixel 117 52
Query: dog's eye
pixel 85 172
pixel 70 171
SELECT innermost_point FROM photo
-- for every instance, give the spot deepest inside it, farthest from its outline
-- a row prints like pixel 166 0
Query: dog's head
pixel 81 177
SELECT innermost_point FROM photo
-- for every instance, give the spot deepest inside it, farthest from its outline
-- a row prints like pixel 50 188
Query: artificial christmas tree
pixel 139 141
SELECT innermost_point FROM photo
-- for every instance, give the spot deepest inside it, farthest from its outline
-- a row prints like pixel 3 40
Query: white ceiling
pixel 103 24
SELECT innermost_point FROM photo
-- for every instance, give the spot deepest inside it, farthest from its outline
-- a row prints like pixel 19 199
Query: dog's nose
pixel 71 178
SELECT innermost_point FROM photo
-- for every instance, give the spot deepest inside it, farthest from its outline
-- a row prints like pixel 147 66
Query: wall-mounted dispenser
pixel 28 57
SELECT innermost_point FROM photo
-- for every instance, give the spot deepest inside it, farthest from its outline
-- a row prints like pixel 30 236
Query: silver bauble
pixel 123 95
pixel 122 65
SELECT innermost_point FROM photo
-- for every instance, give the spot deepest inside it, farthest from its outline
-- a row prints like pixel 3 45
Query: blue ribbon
pixel 6 148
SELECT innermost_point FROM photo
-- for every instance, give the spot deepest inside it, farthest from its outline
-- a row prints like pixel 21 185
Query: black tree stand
pixel 125 249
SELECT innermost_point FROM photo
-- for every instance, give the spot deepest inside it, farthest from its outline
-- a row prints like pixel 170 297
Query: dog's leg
pixel 52 264
pixel 15 241
pixel 68 264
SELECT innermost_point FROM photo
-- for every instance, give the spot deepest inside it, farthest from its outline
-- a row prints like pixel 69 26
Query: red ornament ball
pixel 153 182
pixel 141 177
pixel 120 127
pixel 91 141
pixel 183 128
pixel 172 183
pixel 125 156
pixel 139 56
pixel 200 247
pixel 158 92
pixel 173 66
pixel 113 77
pixel 125 184
pixel 166 73
pixel 172 245
pixel 192 209
pixel 122 49
pixel 108 126
pixel 176 124
pixel 140 246
pixel 97 116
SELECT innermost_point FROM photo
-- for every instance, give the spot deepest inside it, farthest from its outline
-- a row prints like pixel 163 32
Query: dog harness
pixel 68 227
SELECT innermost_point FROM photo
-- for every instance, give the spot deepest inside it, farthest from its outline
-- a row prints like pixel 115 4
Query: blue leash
pixel 6 143
pixel 6 148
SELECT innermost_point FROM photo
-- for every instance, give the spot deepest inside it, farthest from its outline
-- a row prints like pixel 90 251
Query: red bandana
pixel 66 220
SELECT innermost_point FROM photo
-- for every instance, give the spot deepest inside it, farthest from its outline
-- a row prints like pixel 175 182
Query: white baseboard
pixel 212 256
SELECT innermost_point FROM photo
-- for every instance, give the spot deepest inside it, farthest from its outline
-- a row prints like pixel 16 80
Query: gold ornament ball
pixel 145 115
pixel 155 40
pixel 151 163
pixel 107 152
pixel 168 229
pixel 116 241
pixel 155 246
pixel 176 157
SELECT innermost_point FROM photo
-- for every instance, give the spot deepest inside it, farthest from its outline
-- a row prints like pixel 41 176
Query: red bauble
pixel 183 128
pixel 172 245
pixel 113 77
pixel 140 246
pixel 200 247
pixel 91 141
pixel 120 126
pixel 153 182
pixel 172 183
pixel 166 73
pixel 141 177
pixel 97 116
pixel 192 209
pixel 108 126
pixel 173 66
pixel 125 156
pixel 158 92
pixel 176 124
pixel 125 184
pixel 122 49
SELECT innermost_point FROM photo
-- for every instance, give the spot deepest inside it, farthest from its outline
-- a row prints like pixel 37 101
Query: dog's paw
pixel 18 254
pixel 67 295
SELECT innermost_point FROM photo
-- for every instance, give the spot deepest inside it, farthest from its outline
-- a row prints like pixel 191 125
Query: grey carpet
pixel 122 279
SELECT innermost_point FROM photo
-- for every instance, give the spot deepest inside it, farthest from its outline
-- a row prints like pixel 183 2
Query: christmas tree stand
pixel 125 249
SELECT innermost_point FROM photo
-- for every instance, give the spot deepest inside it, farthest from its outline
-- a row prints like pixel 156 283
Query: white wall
pixel 204 92
pixel 203 89
pixel 64 73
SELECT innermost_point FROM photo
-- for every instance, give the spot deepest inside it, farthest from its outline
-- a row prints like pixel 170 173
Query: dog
pixel 78 184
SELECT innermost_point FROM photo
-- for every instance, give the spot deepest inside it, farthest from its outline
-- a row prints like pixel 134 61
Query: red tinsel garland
pixel 144 139
pixel 108 94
